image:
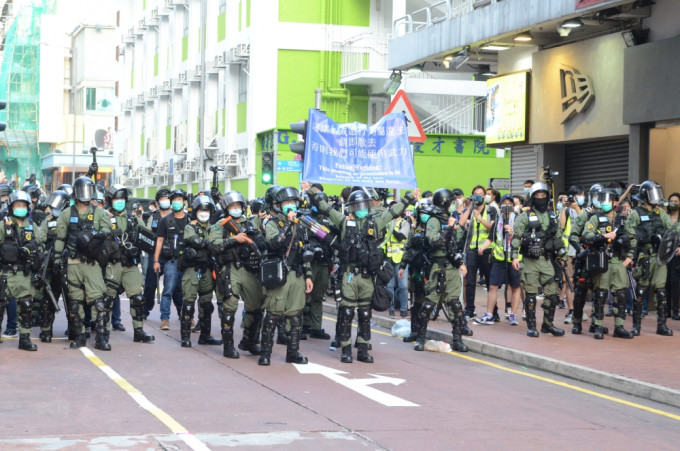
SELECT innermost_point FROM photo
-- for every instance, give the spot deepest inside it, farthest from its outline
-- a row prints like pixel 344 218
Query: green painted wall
pixel 335 12
pixel 240 15
pixel 151 192
pixel 155 65
pixel 194 188
pixel 247 13
pixel 241 185
pixel 224 121
pixel 221 27
pixel 139 192
pixel 168 136
pixel 132 78
pixel 185 48
pixel 241 116
pixel 142 144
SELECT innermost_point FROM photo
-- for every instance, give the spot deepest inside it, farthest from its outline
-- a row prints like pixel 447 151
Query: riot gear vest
pixel 650 225
pixel 536 237
pixel 16 238
pixel 124 229
pixel 621 244
pixel 360 245
pixel 79 233
pixel 196 257
pixel 51 231
pixel 173 243
pixel 155 219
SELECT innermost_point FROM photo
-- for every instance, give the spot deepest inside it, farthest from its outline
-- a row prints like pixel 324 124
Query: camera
pixel 549 173
pixel 571 199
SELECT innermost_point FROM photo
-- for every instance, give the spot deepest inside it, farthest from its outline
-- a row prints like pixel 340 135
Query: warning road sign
pixel 400 103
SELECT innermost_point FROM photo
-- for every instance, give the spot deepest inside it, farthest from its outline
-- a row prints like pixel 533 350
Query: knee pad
pixel 137 301
pixel 427 308
pixel 364 312
pixel 661 293
pixel 99 306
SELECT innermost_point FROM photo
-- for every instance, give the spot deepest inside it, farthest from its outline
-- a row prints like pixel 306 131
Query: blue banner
pixel 357 154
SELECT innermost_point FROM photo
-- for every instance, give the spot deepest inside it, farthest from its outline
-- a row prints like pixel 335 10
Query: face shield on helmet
pixel 15 201
pixel 653 192
pixel 359 203
pixel 84 189
pixel 65 187
pixel 57 202
pixel 231 197
pixel 202 207
pixel 370 192
pixel 288 199
pixel 606 199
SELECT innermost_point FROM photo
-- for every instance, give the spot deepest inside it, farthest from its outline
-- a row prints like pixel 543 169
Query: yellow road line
pixel 550 381
pixel 144 402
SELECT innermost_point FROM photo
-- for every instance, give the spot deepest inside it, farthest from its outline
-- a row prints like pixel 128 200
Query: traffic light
pixel 267 167
pixel 3 105
pixel 301 129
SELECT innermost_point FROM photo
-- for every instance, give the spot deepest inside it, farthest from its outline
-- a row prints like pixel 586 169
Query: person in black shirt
pixel 169 244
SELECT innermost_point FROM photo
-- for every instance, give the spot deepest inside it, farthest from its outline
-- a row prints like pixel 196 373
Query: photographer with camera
pixel 122 272
pixel 536 234
pixel 612 243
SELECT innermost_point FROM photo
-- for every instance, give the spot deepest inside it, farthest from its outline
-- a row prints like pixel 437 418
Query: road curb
pixel 646 390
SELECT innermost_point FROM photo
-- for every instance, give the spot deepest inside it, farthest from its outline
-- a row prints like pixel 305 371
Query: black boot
pixel 268 326
pixel 549 306
pixel 249 340
pixel 577 315
pixel 530 312
pixel 661 328
pixel 137 313
pixel 25 316
pixel 457 322
pixel 2 315
pixel 187 315
pixel 415 308
pixel 46 321
pixel 76 334
pixel 228 335
pixel 101 340
pixel 422 321
pixel 620 315
pixel 364 331
pixel 206 323
pixel 345 317
pixel 599 299
pixel 292 352
pixel 281 334
pixel 637 310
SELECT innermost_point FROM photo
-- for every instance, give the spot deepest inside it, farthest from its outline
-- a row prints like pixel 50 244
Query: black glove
pixel 93 169
pixel 215 193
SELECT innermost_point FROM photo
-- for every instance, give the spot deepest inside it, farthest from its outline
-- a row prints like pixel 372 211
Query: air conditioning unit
pixel 131 34
pixel 169 3
pixel 167 85
pixel 140 100
pixel 181 150
pixel 154 13
pixel 220 60
pixel 121 51
pixel 141 26
pixel 128 104
pixel 153 93
pixel 179 2
pixel 182 79
pixel 198 72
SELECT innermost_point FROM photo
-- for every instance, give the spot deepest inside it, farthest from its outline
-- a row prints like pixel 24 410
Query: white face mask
pixel 203 216
pixel 517 209
pixel 487 199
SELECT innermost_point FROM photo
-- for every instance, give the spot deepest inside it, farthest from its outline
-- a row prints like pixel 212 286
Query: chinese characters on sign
pixel 450 145
pixel 358 154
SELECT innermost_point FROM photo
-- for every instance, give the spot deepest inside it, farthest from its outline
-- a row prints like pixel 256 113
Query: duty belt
pixel 441 261
pixel 13 268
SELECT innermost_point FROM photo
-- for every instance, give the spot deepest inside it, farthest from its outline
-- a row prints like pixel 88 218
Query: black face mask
pixel 541 204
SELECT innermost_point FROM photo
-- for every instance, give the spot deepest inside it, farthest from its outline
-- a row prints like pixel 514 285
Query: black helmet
pixel 442 199
pixel 17 196
pixel 57 202
pixel 178 193
pixel 270 194
pixel 5 189
pixel 65 187
pixel 32 191
pixel 84 189
pixel 257 205
pixel 650 192
pixel 371 192
pixel 101 192
pixel 163 192
pixel 116 191
pixel 287 193
pixel 231 197
pixel 202 203
pixel 359 200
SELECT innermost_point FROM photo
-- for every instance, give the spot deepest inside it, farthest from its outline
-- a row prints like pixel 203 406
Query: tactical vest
pixel 535 237
pixel 650 225
pixel 128 252
pixel 14 240
pixel 294 260
pixel 51 231
pixel 361 247
pixel 479 232
pixel 155 219
pixel 196 258
pixel 173 242
pixel 78 227
pixel 394 248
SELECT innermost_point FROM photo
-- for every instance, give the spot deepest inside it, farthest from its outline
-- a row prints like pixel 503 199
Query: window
pixel 99 99
pixel 242 85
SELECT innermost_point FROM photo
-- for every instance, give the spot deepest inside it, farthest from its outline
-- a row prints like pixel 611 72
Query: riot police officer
pixel 196 266
pixel 122 272
pixel 361 257
pixel 84 237
pixel 237 244
pixel 650 222
pixel 287 242
pixel 612 244
pixel 56 203
pixel 444 238
pixel 20 243
pixel 537 235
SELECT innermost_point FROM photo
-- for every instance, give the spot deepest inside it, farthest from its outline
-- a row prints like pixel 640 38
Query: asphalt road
pixel 161 396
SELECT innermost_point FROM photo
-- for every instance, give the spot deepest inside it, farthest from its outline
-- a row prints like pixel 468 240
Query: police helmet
pixel 424 206
pixel 203 203
pixel 178 193
pixel 359 200
pixel 5 189
pixel 32 190
pixel 270 196
pixel 539 187
pixel 65 187
pixel 231 197
pixel 84 189
pixel 256 205
pixel 371 192
pixel 650 192
pixel 117 191
pixel 287 193
pixel 161 193
pixel 101 193
pixel 442 199
pixel 18 196
pixel 57 202
pixel 607 195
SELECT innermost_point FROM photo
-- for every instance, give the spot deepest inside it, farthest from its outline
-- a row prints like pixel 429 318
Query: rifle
pixel 229 222
pixel 319 230
pixel 41 279
pixel 215 188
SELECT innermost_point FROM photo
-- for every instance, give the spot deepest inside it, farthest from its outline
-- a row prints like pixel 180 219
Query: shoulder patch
pixel 90 217
pixel 281 223
pixel 590 226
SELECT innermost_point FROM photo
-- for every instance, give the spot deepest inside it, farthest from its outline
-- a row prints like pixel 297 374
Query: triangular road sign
pixel 400 103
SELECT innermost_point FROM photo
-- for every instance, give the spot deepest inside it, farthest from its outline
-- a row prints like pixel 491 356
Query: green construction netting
pixel 20 151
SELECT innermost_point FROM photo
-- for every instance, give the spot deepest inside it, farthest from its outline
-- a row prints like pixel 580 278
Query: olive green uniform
pixel 16 276
pixel 615 278
pixel 84 275
pixel 538 269
pixel 414 258
pixel 650 274
pixel 582 280
pixel 47 309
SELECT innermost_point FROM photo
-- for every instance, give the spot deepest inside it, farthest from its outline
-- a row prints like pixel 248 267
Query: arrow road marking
pixel 361 386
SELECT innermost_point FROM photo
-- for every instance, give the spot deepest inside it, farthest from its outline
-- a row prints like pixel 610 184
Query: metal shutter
pixel 596 162
pixel 523 166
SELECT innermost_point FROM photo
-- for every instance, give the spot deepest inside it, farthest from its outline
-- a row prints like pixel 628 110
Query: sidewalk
pixel 647 366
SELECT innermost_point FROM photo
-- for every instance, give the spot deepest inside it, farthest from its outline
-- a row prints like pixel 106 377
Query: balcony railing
pixel 435 13
pixel 464 117
pixel 365 52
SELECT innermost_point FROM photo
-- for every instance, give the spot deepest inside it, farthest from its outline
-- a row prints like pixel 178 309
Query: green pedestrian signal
pixel 267 167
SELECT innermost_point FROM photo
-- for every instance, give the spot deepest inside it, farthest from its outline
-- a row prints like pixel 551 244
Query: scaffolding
pixel 20 151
